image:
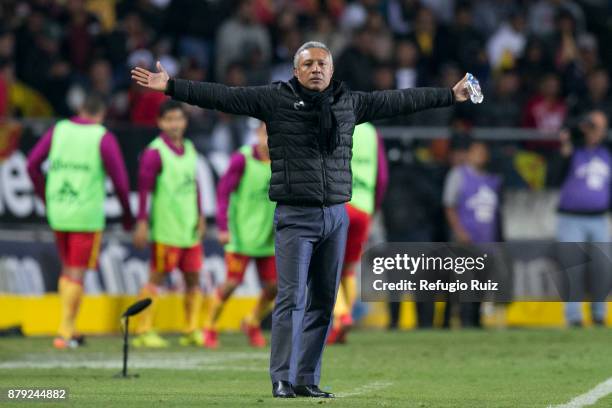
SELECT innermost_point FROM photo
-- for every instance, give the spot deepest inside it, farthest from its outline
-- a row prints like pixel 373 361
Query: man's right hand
pixel 157 81
pixel 223 237
pixel 141 234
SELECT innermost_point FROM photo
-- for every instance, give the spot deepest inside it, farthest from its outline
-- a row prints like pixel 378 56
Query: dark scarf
pixel 321 101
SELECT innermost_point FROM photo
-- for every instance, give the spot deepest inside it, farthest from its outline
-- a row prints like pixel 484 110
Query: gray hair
pixel 308 45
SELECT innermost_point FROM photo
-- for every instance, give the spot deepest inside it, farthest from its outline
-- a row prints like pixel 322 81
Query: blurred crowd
pixel 541 62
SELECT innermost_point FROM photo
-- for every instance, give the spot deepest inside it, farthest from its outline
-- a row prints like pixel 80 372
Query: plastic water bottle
pixel 473 87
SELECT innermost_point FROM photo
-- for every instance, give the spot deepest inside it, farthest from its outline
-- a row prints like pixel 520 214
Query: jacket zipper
pixel 324 177
pixel 321 151
pixel 286 169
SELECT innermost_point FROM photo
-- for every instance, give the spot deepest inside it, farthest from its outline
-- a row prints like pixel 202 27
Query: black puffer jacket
pixel 304 173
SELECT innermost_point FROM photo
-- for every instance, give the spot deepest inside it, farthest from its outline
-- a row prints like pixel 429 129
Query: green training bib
pixel 74 190
pixel 364 166
pixel 174 204
pixel 251 213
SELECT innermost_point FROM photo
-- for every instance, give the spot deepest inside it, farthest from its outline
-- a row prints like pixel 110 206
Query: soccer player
pixel 81 154
pixel 168 172
pixel 370 177
pixel 245 217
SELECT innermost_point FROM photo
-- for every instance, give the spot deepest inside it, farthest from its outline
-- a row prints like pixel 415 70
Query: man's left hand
pixel 460 90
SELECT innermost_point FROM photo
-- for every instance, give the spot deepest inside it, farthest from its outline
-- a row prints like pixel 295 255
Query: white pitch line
pixel 365 389
pixel 206 362
pixel 590 397
pixel 160 365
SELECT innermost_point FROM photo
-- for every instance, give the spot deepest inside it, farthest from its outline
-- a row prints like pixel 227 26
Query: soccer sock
pixel 193 303
pixel 214 310
pixel 349 283
pixel 340 307
pixel 70 291
pixel 145 322
pixel 264 305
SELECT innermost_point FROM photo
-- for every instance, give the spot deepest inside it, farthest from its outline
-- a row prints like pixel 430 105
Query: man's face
pixel 595 129
pixel 173 123
pixel 478 154
pixel 314 69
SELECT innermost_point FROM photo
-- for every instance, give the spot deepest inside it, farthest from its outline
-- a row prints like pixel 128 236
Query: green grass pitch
pixel 511 368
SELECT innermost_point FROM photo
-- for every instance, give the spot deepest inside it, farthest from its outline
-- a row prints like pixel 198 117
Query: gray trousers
pixel 309 250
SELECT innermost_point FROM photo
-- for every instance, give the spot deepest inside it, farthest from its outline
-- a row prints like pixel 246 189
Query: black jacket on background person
pixel 303 171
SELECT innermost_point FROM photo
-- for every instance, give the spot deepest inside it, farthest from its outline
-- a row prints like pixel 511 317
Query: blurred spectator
pixel 239 33
pixel 488 14
pixel 546 111
pixel 7 44
pixel 138 34
pixel 81 29
pixel 282 70
pixel 566 50
pixel 230 131
pixel 408 73
pixel 21 100
pixel 472 201
pixel 508 42
pixel 26 37
pixel 504 104
pixel 355 66
pixel 401 15
pixel 443 9
pixel 533 65
pixel 542 15
pixel 466 44
pixel 355 14
pixel 597 96
pixel 431 39
pixel 384 77
pixel 191 70
pixel 382 41
pixel 257 70
pixel 589 52
pixel 567 57
pixel 583 205
pixel 201 22
pixel 100 81
pixel 104 10
pixel 325 32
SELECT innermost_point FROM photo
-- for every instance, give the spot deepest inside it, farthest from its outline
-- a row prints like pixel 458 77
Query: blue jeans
pixel 583 228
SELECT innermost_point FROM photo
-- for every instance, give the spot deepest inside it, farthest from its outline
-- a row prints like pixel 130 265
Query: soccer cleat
pixel 253 332
pixel 211 339
pixel 337 334
pixel 61 343
pixel 332 337
pixel 149 340
pixel 346 324
pixel 195 338
pixel 79 338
